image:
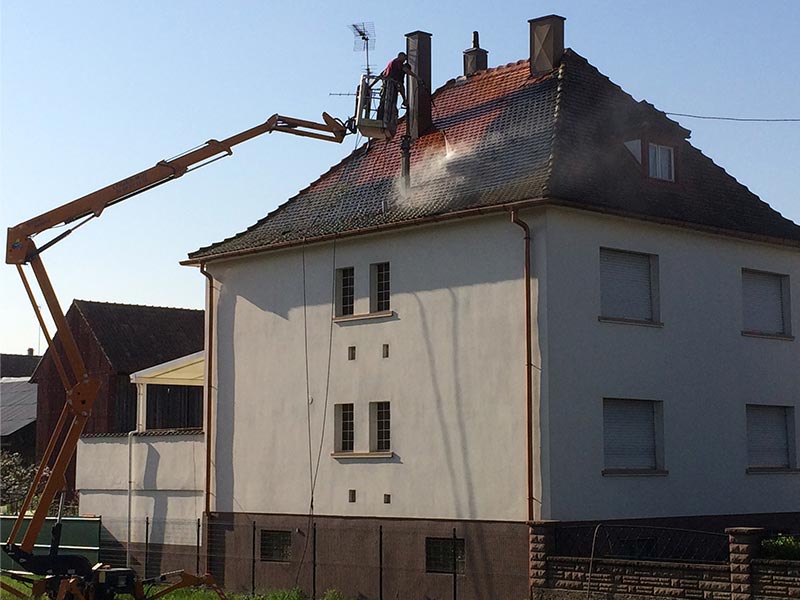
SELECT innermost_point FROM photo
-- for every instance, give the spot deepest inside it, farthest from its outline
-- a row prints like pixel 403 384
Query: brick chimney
pixel 418 49
pixel 547 43
pixel 475 58
pixel 30 351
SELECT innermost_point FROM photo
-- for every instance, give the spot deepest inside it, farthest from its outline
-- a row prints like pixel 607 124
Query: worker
pixel 394 74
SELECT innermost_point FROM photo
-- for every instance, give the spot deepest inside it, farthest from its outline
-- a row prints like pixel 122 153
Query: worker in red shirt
pixel 395 72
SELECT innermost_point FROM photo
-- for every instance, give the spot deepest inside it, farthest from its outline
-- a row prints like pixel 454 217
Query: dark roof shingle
pixel 18 365
pixel 137 337
pixel 501 136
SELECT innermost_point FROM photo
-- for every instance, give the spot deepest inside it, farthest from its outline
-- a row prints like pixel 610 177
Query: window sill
pixel 769 336
pixel 635 472
pixel 368 455
pixel 622 321
pixel 364 316
pixel 768 470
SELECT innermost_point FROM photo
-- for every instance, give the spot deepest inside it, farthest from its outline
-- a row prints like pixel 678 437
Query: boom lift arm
pixel 80 386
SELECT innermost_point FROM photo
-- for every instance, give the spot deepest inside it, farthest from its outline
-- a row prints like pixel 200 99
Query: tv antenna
pixel 363 39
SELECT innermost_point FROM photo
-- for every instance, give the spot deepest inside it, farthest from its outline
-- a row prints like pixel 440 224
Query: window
pixel 345 291
pixel 380 439
pixel 174 407
pixel 629 286
pixel 770 436
pixel 444 555
pixel 345 430
pixel 765 303
pixel 632 435
pixel 379 287
pixel 661 162
pixel 276 546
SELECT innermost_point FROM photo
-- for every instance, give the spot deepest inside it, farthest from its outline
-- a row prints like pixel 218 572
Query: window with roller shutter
pixel 632 435
pixel 770 437
pixel 628 286
pixel 765 303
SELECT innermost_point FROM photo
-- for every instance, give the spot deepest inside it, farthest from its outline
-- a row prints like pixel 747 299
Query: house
pixel 18 404
pixel 117 340
pixel 555 307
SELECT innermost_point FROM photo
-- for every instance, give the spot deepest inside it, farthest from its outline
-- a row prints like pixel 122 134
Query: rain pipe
pixel 140 423
pixel 209 380
pixel 528 359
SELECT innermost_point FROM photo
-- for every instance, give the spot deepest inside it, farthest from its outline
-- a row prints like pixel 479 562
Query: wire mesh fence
pixel 641 543
pixel 362 558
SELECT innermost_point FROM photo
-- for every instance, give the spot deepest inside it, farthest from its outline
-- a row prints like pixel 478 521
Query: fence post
pixel 253 564
pixel 541 539
pixel 743 545
pixel 197 549
pixel 380 562
pixel 146 544
pixel 455 566
pixel 314 562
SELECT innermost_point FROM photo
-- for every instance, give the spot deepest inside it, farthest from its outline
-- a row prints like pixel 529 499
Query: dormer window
pixel 661 162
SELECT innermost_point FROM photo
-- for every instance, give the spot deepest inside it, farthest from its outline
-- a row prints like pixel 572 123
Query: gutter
pixel 510 206
pixel 528 360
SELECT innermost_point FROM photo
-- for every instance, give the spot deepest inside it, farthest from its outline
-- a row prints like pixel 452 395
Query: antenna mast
pixel 364 39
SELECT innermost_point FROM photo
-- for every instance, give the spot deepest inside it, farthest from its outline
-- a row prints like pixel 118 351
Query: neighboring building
pixel 150 483
pixel 117 340
pixel 371 336
pixel 18 404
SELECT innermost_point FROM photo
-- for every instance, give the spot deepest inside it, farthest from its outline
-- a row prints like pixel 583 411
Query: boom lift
pixel 71 576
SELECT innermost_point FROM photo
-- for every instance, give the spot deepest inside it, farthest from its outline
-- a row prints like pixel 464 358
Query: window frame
pixel 345 292
pixel 658 468
pixel 438 543
pixel 344 426
pixel 785 305
pixel 285 547
pixel 380 287
pixel 653 170
pixel 791 444
pixel 380 427
pixel 654 291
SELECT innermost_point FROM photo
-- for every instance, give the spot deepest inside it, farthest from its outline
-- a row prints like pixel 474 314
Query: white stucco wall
pixel 168 477
pixel 455 376
pixel 698 364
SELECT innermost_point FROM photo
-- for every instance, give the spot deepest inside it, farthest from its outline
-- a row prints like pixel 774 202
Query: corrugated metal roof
pixel 17 404
pixel 501 136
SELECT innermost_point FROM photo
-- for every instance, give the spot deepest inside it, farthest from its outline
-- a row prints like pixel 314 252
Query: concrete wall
pixel 168 478
pixel 698 364
pixel 455 376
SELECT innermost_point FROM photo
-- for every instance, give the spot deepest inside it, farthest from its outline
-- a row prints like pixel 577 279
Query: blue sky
pixel 95 91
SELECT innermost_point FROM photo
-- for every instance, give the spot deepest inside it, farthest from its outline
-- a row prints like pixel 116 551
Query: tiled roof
pixel 136 337
pixel 500 137
pixel 18 365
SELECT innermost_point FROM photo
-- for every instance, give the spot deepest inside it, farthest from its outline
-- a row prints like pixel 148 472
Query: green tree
pixel 16 476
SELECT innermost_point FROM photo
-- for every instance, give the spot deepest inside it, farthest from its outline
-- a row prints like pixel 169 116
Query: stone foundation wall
pixel 744 577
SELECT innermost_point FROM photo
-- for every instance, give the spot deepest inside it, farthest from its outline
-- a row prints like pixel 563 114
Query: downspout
pixel 209 381
pixel 141 396
pixel 528 358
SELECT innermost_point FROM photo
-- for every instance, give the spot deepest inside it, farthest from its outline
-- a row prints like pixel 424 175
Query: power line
pixel 674 114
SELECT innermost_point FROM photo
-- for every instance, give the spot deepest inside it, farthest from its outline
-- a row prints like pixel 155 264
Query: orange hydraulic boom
pixel 80 386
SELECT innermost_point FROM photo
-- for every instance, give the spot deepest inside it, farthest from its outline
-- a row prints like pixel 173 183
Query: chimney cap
pixel 418 32
pixel 546 18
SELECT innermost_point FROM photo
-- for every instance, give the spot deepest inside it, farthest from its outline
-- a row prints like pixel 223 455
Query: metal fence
pixel 641 543
pixel 364 558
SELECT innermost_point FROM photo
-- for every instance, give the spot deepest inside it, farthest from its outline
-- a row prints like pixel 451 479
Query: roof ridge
pixel 128 304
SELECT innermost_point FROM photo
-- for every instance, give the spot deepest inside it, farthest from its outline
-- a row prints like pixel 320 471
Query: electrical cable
pixel 739 119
